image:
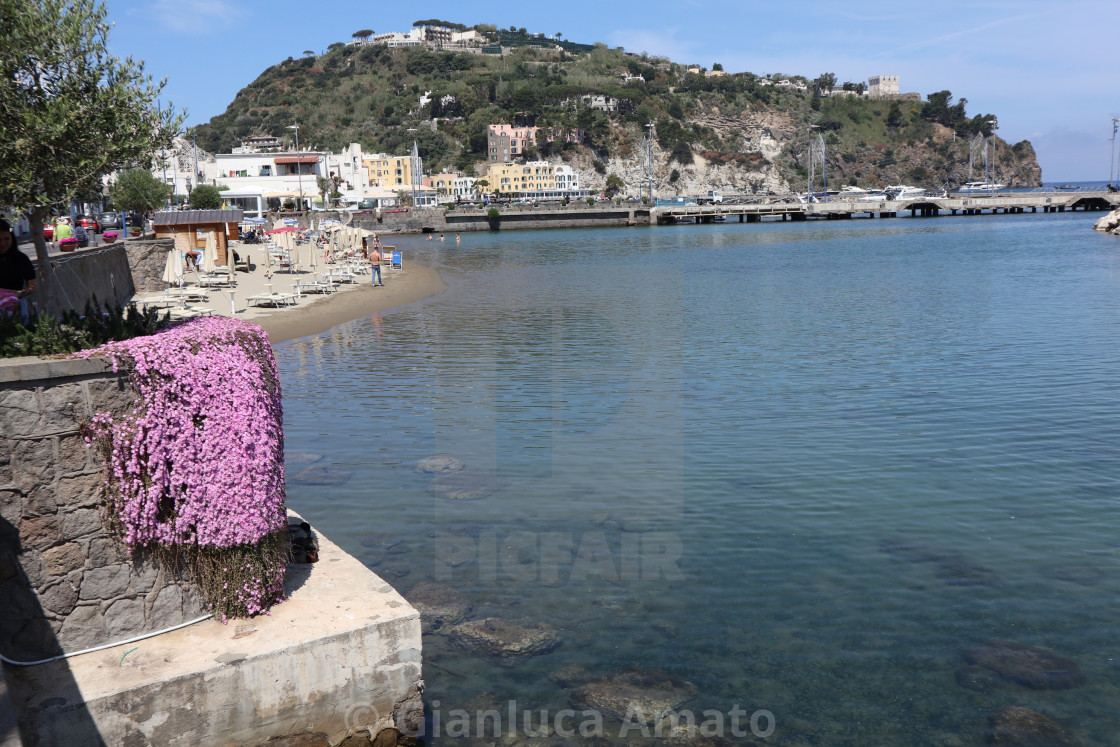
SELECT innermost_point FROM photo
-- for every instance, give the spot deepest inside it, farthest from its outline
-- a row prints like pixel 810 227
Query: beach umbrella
pixel 210 253
pixel 173 268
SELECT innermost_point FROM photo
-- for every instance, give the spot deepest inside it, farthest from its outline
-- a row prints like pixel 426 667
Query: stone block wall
pixel 66 583
pixel 147 259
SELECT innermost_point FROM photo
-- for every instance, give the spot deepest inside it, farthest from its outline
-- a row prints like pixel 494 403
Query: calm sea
pixel 802 467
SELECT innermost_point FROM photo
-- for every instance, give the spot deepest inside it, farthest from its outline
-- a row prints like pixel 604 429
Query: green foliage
pixel 599 166
pixel 682 154
pixel 205 197
pixel 45 334
pixel 136 190
pixel 71 112
pixel 674 176
pixel 614 185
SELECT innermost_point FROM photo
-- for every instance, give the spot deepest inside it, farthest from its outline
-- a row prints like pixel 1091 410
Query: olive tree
pixel 70 113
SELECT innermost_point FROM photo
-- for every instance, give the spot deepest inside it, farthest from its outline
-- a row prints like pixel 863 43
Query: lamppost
pixel 299 166
pixel 1112 158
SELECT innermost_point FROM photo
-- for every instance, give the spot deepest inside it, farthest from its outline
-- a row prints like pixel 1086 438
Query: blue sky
pixel 1042 67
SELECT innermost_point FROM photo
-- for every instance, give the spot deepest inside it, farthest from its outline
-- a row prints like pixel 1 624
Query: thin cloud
pixel 193 17
pixel 958 34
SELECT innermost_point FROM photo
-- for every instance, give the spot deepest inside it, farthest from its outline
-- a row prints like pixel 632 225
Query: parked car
pixel 48 231
pixel 89 223
pixel 111 220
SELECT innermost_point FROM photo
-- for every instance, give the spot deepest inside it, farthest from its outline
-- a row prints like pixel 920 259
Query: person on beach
pixel 17 273
pixel 365 250
pixel 375 265
pixel 457 239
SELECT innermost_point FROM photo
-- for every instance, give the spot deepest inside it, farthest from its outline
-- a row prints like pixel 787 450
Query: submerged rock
pixel 981 680
pixel 323 475
pixel 951 567
pixel 467 486
pixel 1036 668
pixel 634 695
pixel 439 606
pixel 502 640
pixel 570 676
pixel 959 571
pixel 1021 727
pixel 439 464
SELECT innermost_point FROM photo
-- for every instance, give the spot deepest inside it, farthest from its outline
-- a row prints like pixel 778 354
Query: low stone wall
pixel 66 584
pixel 100 273
pixel 147 259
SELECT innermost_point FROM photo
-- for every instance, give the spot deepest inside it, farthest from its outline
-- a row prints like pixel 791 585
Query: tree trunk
pixel 45 300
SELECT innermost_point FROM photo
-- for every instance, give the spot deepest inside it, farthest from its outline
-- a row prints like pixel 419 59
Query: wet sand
pixel 406 286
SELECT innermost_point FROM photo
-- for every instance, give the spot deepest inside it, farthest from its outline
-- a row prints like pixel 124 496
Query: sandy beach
pixel 351 301
pixel 314 313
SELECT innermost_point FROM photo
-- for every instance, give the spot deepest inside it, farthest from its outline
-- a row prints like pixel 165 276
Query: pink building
pixel 505 142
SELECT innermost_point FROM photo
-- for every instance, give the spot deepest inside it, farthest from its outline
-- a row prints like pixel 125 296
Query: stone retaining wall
pixel 148 259
pixel 66 584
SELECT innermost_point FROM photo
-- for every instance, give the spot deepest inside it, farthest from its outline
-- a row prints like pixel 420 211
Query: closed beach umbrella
pixel 210 254
pixel 173 268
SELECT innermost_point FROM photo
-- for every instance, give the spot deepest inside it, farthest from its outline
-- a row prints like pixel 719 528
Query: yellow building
pixel 533 176
pixel 388 171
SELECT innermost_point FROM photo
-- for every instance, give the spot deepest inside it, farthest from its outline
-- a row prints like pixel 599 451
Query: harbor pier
pixel 924 206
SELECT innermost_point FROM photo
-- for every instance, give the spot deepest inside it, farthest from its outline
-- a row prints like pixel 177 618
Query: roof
pixel 191 217
pixel 296 159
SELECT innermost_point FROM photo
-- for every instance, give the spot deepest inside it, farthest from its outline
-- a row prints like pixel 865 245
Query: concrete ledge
pixel 33 368
pixel 340 656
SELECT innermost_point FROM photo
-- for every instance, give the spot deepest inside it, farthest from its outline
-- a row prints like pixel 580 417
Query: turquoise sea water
pixel 801 466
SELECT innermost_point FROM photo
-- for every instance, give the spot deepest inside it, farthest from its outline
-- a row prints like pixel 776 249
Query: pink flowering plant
pixel 195 470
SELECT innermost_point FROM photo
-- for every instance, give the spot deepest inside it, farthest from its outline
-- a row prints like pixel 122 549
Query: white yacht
pixel 981 187
pixel 903 192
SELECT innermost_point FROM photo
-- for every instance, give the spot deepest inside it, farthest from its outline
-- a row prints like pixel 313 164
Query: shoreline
pixel 416 283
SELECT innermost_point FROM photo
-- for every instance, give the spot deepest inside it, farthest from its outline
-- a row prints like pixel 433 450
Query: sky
pixel 1042 67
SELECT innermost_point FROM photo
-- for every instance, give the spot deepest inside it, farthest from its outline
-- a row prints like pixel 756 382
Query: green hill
pixel 738 132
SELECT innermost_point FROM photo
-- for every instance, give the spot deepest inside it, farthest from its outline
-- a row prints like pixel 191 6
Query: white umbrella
pixel 210 254
pixel 173 270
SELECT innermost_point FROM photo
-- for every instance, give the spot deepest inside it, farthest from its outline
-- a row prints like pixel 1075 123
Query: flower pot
pixel 67 246
pixel 109 240
pixel 134 232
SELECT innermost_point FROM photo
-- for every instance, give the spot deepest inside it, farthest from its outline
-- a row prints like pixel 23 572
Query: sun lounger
pixel 272 299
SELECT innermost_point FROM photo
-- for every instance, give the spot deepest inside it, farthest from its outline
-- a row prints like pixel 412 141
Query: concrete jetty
pixel 341 656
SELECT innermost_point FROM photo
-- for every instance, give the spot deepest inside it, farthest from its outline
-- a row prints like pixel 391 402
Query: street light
pixel 1112 158
pixel 299 166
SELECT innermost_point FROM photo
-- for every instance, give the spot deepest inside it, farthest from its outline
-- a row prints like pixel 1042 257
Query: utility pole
pixel 417 173
pixel 299 166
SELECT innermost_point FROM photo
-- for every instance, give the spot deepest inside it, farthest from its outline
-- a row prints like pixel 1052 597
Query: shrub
pixel 47 335
pixel 194 473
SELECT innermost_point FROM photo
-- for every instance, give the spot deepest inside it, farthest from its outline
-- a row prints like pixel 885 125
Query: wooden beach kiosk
pixel 189 228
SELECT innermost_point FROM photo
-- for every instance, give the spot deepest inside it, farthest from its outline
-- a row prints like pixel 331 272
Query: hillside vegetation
pixel 733 132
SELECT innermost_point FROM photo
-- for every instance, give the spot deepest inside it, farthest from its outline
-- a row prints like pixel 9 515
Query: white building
pixel 882 86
